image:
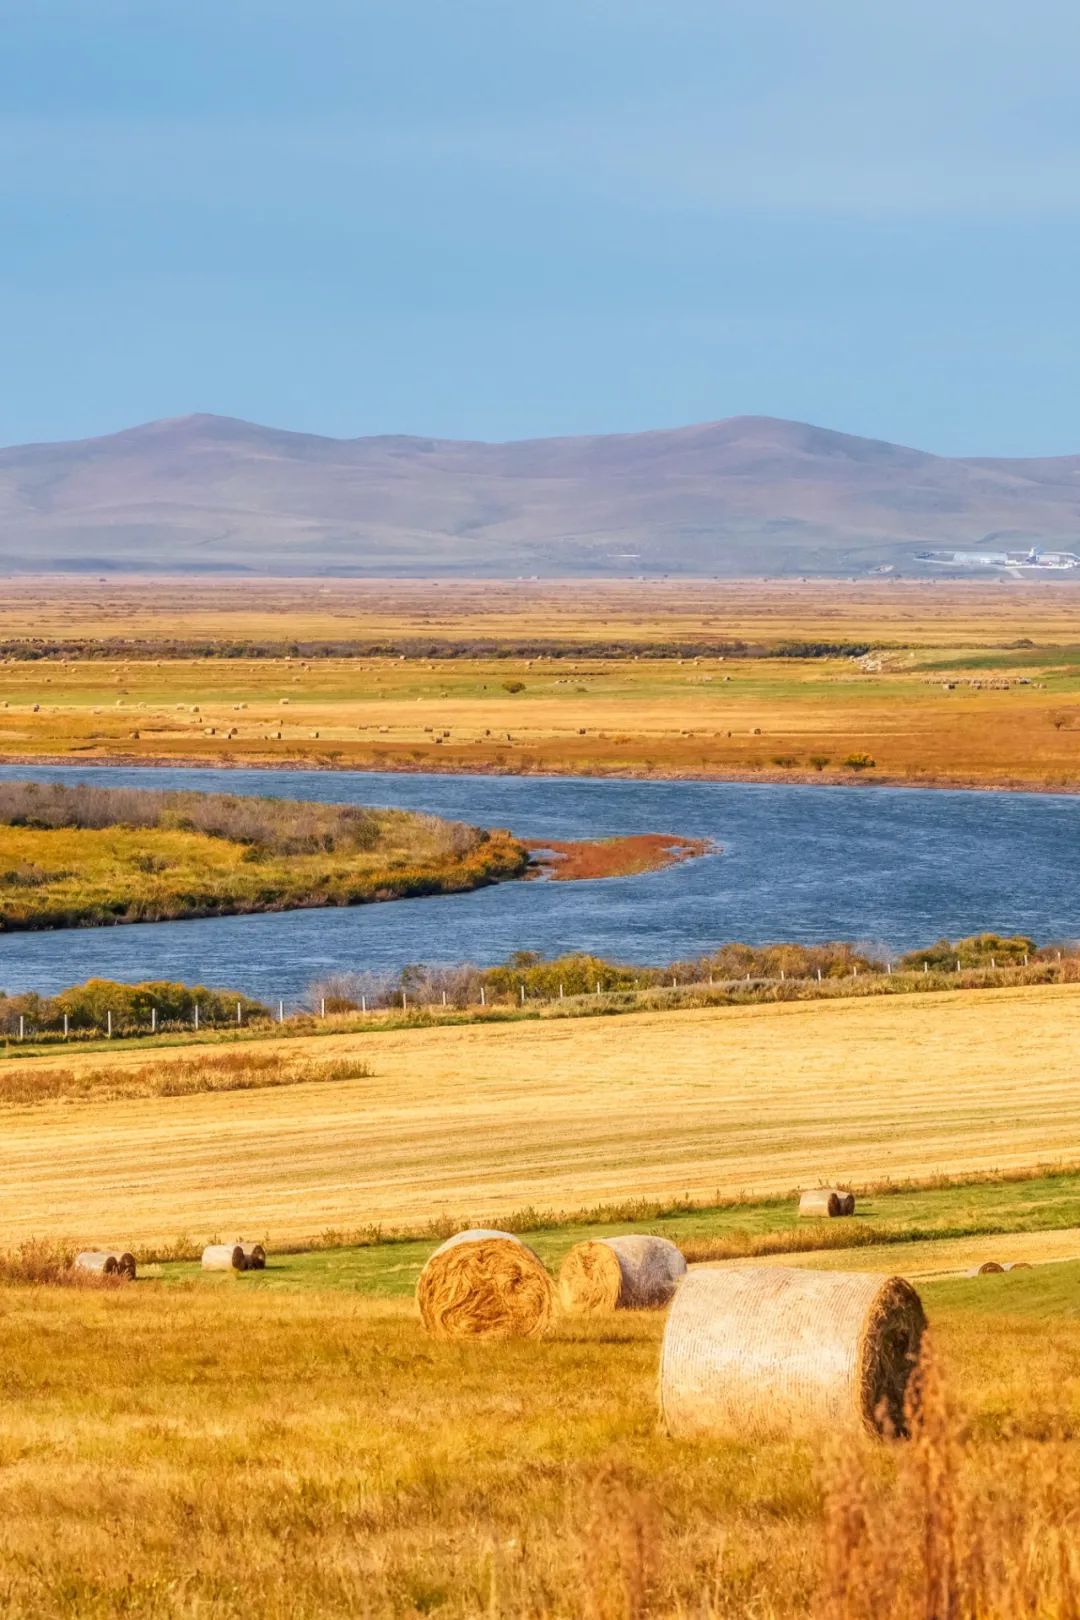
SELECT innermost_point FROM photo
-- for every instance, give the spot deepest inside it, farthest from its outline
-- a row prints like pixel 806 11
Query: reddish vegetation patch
pixel 611 857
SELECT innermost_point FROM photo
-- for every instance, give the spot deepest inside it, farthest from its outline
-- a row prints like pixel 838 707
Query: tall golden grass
pixel 174 1076
pixel 394 1475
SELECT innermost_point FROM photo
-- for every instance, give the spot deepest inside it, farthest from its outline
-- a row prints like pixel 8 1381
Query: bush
pixel 860 762
pixel 513 686
pixel 977 950
pixel 88 1007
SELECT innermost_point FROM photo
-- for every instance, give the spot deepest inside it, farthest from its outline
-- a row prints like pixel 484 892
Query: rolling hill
pixel 750 495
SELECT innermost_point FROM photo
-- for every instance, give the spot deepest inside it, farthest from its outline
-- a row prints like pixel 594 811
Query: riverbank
pixel 953 782
pixel 86 856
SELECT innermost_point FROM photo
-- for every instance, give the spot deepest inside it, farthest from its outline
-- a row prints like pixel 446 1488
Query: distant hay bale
pixel 107 1262
pixel 1017 1265
pixel 485 1285
pixel 754 1351
pixel 632 1273
pixel 224 1257
pixel 828 1201
pixel 986 1269
pixel 254 1256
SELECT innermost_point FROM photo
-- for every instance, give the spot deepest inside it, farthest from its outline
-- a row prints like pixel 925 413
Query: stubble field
pixel 964 684
pixel 476 1121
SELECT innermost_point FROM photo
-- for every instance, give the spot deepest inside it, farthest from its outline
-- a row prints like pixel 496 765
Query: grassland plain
pixel 261 1455
pixel 479 1120
pixel 964 684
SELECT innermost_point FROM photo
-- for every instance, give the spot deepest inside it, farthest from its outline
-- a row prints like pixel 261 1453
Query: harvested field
pixel 478 1121
pixel 963 684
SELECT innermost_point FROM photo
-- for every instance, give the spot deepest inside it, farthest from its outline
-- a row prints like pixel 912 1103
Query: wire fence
pixel 312 1012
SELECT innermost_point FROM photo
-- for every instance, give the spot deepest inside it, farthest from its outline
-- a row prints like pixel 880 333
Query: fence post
pixel 239 1019
pixel 153 1020
pixel 483 998
pixel 889 966
pixel 444 998
pixel 65 1026
pixel 108 1023
pixel 926 967
pixel 404 1002
pixel 993 961
pixel 281 1012
pixel 957 964
pixel 819 975
pixel 363 1004
pixel 598 986
pixel 22 1026
pixel 196 1015
pixel 562 992
pixel 521 987
pixel 322 1007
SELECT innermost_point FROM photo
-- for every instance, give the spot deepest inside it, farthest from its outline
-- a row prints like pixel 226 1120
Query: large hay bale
pixel 224 1257
pixel 632 1273
pixel 107 1262
pixel 484 1284
pixel 988 1267
pixel 826 1201
pixel 756 1351
pixel 254 1256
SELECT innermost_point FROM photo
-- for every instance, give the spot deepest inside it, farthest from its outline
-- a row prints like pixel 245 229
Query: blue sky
pixel 506 218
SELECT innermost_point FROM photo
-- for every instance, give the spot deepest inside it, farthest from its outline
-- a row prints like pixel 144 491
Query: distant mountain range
pixel 748 496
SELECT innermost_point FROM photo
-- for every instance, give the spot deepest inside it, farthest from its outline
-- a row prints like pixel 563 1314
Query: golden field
pixel 481 1120
pixel 237 1454
pixel 944 613
pixel 951 699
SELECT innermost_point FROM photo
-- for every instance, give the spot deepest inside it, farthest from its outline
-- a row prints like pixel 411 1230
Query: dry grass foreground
pixel 481 1120
pixel 980 685
pixel 168 1454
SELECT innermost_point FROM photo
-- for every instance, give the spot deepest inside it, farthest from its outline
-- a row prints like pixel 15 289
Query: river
pixel 894 867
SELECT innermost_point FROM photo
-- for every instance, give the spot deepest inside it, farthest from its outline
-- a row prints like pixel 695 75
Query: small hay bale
pixel 987 1268
pixel 224 1257
pixel 826 1201
pixel 254 1256
pixel 755 1351
pixel 485 1284
pixel 632 1273
pixel 1017 1265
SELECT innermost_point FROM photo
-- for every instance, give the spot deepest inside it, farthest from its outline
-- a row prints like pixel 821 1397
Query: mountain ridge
pixel 741 495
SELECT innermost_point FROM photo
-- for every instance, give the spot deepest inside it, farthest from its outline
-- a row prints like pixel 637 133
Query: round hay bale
pixel 830 1202
pixel 125 1265
pixel 103 1261
pixel 986 1269
pixel 1017 1265
pixel 756 1351
pixel 632 1273
pixel 484 1284
pixel 254 1256
pixel 224 1257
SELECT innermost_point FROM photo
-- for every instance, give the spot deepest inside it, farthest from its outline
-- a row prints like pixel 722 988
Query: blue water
pixel 894 867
